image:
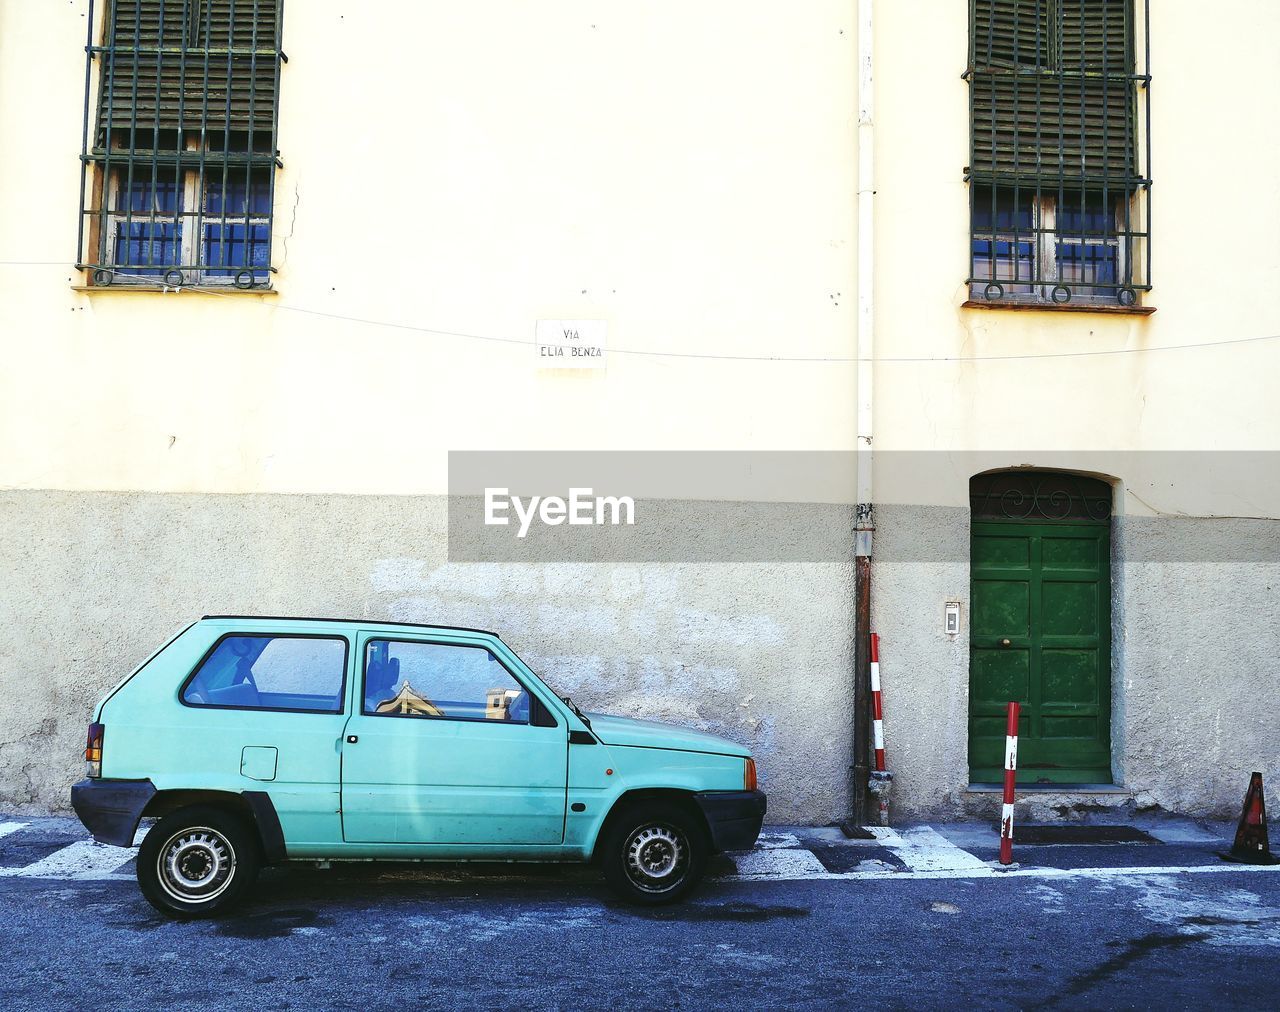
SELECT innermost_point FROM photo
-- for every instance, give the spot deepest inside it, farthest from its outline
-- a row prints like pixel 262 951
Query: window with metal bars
pixel 179 153
pixel 1059 187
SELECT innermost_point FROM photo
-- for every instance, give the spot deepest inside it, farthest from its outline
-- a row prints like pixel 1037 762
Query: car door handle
pixel 352 739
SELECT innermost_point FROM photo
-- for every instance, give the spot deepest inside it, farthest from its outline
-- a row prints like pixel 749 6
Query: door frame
pixel 1090 500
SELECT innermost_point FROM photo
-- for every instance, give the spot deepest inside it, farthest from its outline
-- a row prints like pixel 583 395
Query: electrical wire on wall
pixel 652 353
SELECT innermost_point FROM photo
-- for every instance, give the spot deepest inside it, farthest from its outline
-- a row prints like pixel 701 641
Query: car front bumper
pixel 734 817
pixel 111 809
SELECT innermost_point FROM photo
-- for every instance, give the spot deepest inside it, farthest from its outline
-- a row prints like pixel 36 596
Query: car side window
pixel 304 673
pixel 440 680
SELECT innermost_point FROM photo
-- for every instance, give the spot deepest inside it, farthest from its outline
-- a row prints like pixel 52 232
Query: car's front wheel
pixel 654 853
pixel 197 862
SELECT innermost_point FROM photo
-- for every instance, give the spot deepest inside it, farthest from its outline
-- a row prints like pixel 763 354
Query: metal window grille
pixel 1039 495
pixel 179 152
pixel 1060 151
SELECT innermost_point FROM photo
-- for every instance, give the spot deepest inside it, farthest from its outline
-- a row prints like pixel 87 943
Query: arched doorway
pixel 1040 631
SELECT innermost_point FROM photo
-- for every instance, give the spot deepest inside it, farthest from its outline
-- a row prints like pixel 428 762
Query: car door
pixel 446 746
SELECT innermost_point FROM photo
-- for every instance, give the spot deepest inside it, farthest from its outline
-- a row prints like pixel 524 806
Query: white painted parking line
pixel 83 860
pixel 1050 873
pixel 924 849
pixel 779 862
pixel 779 856
pixel 769 841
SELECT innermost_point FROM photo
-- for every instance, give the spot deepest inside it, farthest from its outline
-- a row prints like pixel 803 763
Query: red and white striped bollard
pixel 877 705
pixel 1010 774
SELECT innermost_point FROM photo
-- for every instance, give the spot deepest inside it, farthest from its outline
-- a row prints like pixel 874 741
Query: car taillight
pixel 93 750
pixel 749 776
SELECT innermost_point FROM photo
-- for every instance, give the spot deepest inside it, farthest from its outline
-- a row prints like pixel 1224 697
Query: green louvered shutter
pixel 188 64
pixel 1012 34
pixel 1052 94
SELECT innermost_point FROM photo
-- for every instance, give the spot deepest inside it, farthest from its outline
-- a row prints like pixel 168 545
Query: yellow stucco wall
pixel 685 172
pixel 1216 272
pixel 468 168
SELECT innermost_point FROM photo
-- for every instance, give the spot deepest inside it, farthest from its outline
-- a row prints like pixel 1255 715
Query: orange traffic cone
pixel 1251 845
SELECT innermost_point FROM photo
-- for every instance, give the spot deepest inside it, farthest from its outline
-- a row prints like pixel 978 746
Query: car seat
pixel 380 679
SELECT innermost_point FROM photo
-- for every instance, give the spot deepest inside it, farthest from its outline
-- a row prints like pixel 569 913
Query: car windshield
pixel 567 700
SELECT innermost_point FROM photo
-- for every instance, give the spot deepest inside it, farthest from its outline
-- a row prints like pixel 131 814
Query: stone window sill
pixel 173 290
pixel 1057 307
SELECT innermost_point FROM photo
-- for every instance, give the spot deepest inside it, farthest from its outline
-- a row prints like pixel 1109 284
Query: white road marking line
pixel 83 860
pixel 896 875
pixel 1048 873
pixel 885 836
pixel 769 841
pixel 923 848
pixel 779 863
pixel 1191 869
pixel 778 857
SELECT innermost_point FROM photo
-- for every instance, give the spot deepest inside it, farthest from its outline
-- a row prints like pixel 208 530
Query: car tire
pixel 198 862
pixel 654 853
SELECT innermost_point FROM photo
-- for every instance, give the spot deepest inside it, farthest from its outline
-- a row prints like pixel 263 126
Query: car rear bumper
pixel 111 809
pixel 734 817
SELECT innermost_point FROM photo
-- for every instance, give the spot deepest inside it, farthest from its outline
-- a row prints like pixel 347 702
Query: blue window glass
pixel 1002 208
pixel 144 194
pixel 232 248
pixel 1004 249
pixel 1013 261
pixel 228 233
pixel 145 242
pixel 1088 263
pixel 440 680
pixel 1085 215
pixel 271 673
pixel 148 247
pixel 238 197
pixel 233 240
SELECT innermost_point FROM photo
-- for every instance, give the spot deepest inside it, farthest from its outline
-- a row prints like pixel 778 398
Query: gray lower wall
pixel 1200 652
pixel 1195 656
pixel 760 652
pixel 924 674
pixel 94 582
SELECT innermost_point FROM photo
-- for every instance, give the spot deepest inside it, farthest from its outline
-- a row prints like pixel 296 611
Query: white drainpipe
pixel 866 263
pixel 875 802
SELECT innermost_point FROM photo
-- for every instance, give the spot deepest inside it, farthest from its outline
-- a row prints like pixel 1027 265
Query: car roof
pixel 349 621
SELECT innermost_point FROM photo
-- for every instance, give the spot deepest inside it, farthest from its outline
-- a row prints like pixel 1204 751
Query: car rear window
pixel 242 672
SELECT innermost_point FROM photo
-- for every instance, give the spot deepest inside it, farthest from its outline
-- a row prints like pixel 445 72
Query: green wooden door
pixel 1041 634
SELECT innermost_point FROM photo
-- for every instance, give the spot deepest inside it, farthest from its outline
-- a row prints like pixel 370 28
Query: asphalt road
pixel 383 936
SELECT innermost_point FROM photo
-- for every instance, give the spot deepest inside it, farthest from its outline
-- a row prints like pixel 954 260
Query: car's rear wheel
pixel 654 853
pixel 197 862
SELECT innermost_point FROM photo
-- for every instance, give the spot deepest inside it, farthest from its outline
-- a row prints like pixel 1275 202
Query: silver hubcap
pixel 657 857
pixel 196 865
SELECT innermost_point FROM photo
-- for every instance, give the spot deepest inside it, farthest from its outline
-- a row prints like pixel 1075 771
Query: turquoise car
pixel 255 741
